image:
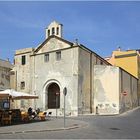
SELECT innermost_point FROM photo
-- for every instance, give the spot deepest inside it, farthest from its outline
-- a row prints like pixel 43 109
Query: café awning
pixel 16 95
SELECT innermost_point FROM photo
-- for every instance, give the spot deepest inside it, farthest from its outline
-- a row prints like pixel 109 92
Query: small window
pixel 46 57
pixel 53 32
pixel 101 62
pixel 22 85
pixel 14 61
pixel 57 31
pixel 58 56
pixel 23 60
pixel 48 32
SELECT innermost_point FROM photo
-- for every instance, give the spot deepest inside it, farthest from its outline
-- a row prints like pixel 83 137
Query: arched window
pixel 53 31
pixel 48 32
pixel 57 31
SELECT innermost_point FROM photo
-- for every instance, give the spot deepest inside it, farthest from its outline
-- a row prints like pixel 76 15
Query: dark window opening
pixel 57 31
pixel 48 32
pixel 23 60
pixel 53 31
pixel 58 56
pixel 22 85
pixel 101 62
pixel 14 61
pixel 46 57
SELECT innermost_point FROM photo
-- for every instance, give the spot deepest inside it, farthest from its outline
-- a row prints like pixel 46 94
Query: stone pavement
pixel 53 124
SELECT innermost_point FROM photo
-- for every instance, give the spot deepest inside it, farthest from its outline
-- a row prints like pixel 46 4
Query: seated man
pixel 30 111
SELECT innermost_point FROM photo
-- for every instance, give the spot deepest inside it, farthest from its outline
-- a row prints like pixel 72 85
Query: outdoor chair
pixel 24 116
pixel 49 114
pixel 42 116
pixel 6 118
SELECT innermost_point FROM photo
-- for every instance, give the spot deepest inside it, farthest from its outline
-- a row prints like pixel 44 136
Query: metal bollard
pixel 97 110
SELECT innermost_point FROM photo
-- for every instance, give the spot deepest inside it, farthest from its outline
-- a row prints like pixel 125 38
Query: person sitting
pixel 30 111
pixel 34 114
pixel 37 111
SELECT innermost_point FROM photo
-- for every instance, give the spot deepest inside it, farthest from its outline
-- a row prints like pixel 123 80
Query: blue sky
pixel 100 26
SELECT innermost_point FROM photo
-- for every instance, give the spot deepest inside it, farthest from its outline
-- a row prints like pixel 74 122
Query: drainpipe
pixel 138 85
pixel 138 81
pixel 131 94
pixel 90 82
pixel 34 82
pixel 16 80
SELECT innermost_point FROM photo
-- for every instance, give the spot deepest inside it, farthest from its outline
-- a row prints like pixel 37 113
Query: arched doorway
pixel 53 96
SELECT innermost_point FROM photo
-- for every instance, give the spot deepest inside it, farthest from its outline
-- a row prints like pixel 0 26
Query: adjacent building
pixel 5 68
pixel 115 90
pixel 55 64
pixel 129 60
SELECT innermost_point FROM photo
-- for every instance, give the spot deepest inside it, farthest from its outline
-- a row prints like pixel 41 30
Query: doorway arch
pixel 53 96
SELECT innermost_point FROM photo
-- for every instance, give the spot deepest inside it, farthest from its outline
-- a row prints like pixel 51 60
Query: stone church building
pixel 55 64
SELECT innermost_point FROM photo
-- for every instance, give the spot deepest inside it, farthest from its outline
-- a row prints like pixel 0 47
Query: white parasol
pixel 16 95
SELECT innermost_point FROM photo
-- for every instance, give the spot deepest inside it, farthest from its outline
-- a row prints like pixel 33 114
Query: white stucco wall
pixel 63 72
pixel 86 63
pixel 106 89
pixel 109 86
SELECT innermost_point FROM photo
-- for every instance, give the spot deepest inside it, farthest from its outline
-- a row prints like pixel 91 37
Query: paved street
pixel 125 126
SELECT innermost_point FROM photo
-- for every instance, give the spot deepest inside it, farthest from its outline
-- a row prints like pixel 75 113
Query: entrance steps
pixel 53 112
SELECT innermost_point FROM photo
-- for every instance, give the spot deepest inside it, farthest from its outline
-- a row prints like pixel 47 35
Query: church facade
pixel 54 65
